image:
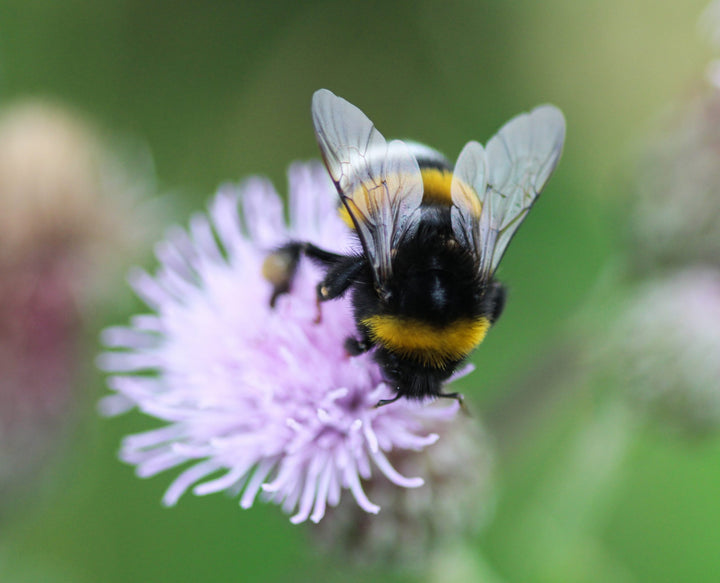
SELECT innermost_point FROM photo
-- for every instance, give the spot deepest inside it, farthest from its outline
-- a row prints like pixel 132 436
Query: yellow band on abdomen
pixel 430 345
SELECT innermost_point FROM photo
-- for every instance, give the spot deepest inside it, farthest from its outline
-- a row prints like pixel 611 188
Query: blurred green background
pixel 220 90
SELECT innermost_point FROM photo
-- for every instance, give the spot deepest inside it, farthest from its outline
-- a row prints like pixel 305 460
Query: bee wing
pixel 378 182
pixel 493 189
pixel 469 184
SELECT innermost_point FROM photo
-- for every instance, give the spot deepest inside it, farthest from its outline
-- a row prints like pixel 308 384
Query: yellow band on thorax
pixel 436 190
pixel 437 186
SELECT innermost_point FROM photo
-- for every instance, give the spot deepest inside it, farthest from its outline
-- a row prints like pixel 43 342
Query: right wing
pixel 494 188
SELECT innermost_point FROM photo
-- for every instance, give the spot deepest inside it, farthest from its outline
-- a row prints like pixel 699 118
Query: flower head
pixel 676 215
pixel 456 501
pixel 257 400
pixel 664 349
pixel 55 217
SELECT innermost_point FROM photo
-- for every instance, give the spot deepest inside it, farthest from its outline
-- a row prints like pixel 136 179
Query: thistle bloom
pixel 55 218
pixel 457 500
pixel 676 219
pixel 664 349
pixel 253 399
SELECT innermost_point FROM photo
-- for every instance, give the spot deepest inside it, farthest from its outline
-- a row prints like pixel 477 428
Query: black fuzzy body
pixel 435 281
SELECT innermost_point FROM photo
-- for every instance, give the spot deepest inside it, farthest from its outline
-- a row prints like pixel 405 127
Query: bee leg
pixel 459 398
pixel 341 276
pixel 318 307
pixel 279 269
pixel 383 402
pixel 355 347
pixel 280 266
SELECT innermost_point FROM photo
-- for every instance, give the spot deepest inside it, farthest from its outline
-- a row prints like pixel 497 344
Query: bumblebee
pixel 423 288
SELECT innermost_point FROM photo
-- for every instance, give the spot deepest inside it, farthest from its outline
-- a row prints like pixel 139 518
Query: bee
pixel 424 293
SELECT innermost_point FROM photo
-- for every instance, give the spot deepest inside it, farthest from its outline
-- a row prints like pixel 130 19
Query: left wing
pixel 494 188
pixel 378 182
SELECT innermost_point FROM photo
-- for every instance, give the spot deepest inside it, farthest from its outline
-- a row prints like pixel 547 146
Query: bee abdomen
pixel 428 344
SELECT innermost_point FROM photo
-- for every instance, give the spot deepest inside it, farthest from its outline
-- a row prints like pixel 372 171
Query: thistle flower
pixel 676 219
pixel 664 349
pixel 52 204
pixel 456 501
pixel 254 399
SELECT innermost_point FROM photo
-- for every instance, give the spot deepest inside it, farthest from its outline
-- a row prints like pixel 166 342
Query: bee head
pixel 411 380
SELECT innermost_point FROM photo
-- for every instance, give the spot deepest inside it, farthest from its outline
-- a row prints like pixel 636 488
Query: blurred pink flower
pixel 39 333
pixel 663 349
pixel 257 400
pixel 58 219
pixel 675 217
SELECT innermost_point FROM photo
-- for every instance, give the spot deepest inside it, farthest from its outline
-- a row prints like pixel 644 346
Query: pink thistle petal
pixel 152 438
pixel 322 494
pixel 187 479
pixel 122 337
pixel 289 500
pixel 204 239
pixel 113 405
pixel 147 323
pixel 334 490
pixel 148 289
pixel 223 211
pixel 256 481
pixel 222 483
pixel 353 482
pixel 150 464
pixel 392 474
pixel 307 499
